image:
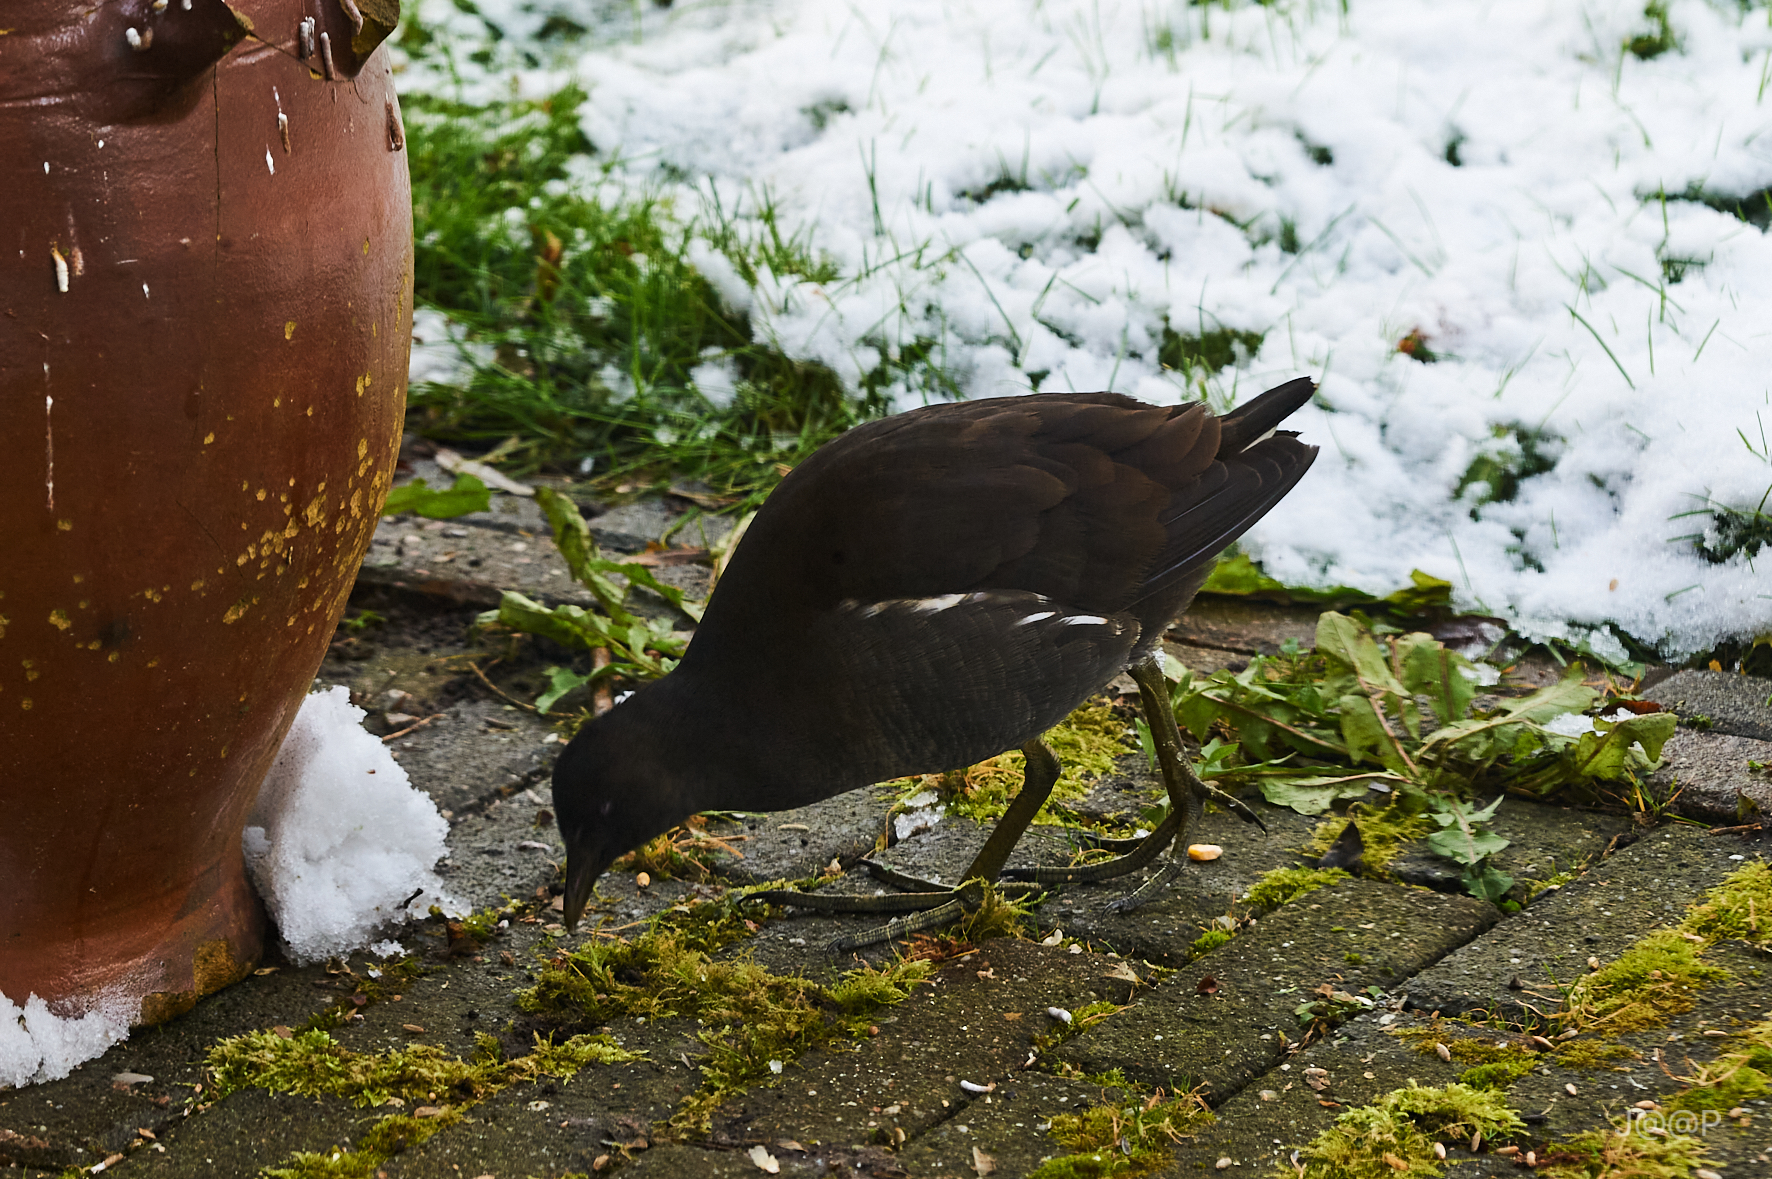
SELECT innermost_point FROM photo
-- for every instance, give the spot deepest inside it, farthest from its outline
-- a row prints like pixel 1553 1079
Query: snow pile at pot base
pixel 37 1045
pixel 339 838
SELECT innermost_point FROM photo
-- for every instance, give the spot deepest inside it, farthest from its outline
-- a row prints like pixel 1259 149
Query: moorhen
pixel 927 591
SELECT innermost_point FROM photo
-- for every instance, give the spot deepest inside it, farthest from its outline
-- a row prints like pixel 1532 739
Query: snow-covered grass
pixel 1521 244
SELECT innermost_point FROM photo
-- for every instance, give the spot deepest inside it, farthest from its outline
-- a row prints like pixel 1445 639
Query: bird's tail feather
pixel 1246 425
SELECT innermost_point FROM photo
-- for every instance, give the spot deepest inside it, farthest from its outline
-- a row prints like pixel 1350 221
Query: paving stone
pixel 1735 704
pixel 1279 1111
pixel 1221 1033
pixel 473 558
pixel 1649 883
pixel 1712 774
pixel 1242 625
pixel 250 1124
pixel 1164 930
pixel 1010 1125
pixel 550 1129
pixel 696 1160
pixel 977 1023
pixel 793 844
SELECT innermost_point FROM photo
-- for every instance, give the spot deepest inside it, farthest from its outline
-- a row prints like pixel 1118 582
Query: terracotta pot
pixel 205 314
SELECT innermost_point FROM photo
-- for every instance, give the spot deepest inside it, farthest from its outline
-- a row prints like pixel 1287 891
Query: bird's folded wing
pixel 940 683
pixel 1056 495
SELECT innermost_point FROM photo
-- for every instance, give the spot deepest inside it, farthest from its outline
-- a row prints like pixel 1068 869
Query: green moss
pixel 1383 831
pixel 750 1016
pixel 1738 908
pixel 1088 743
pixel 1619 1154
pixel 1353 959
pixel 1655 979
pixel 1556 880
pixel 1209 941
pixel 387 1138
pixel 1283 885
pixel 1740 1072
pixel 1127 1135
pixel 1498 1075
pixel 1369 1141
pixel 311 1063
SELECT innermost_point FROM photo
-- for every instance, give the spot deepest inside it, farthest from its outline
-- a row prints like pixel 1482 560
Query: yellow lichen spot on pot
pixel 25 704
pixel 154 662
pixel 198 584
pixel 30 666
pixel 276 403
pixel 84 604
pixel 357 504
pixel 362 447
pixel 114 656
pixel 315 513
pixel 79 577
pixel 64 526
pixel 94 645
pixel 210 437
pixel 58 618
pixel 366 247
pixel 310 411
pixel 289 330
pixel 238 610
pixel 3 621
pixel 261 495
pixel 152 594
pixel 245 486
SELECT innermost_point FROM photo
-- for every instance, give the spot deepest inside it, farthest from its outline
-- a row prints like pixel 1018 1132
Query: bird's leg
pixel 1186 792
pixel 1153 691
pixel 931 906
pixel 1187 795
pixel 1037 781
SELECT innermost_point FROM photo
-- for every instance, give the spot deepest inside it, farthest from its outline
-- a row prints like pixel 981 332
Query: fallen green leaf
pixel 468 495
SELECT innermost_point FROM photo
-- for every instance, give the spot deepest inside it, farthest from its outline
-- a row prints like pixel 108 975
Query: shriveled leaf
pixel 1430 670
pixel 1607 751
pixel 561 680
pixel 1566 695
pixel 467 495
pixel 1424 592
pixel 1341 639
pixel 572 536
pixel 1315 794
pixel 1365 733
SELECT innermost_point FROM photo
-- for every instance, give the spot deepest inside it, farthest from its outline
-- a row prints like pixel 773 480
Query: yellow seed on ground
pixel 1204 851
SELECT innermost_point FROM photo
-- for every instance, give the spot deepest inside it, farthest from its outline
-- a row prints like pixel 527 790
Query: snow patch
pixel 339 838
pixel 37 1045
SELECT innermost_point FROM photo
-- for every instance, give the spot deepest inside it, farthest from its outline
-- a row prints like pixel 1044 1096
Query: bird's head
pixel 612 793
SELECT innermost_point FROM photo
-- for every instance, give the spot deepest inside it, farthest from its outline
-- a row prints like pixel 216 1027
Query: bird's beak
pixel 581 875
